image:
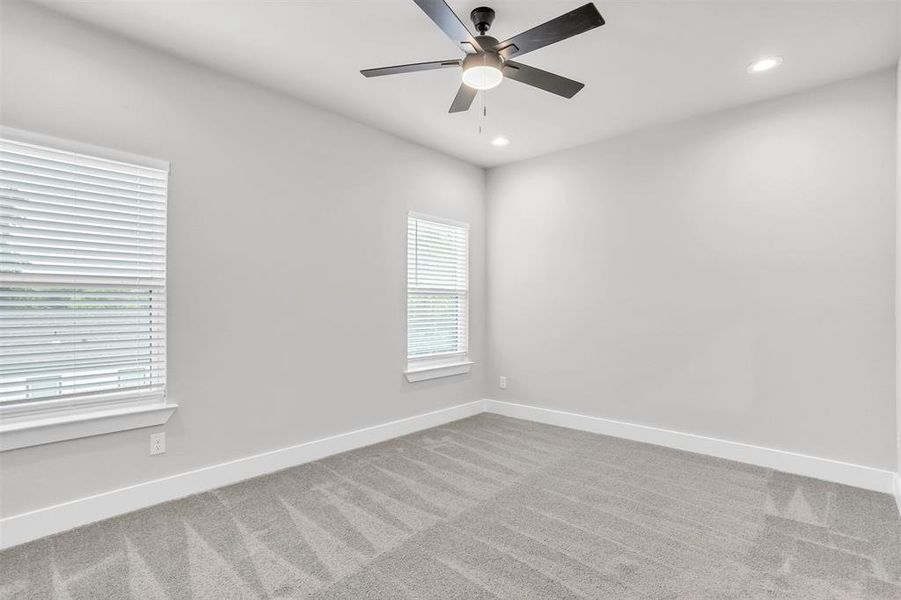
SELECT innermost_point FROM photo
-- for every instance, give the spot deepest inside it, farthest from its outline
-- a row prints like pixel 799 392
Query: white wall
pixel 898 277
pixel 275 208
pixel 729 276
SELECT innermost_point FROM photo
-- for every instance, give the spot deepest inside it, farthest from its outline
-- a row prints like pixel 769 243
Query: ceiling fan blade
pixel 449 22
pixel 423 66
pixel 565 26
pixel 463 99
pixel 543 80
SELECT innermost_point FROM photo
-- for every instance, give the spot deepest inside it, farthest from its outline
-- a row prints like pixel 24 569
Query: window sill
pixel 422 373
pixel 47 430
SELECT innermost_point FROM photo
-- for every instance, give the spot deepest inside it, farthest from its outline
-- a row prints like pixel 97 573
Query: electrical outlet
pixel 503 382
pixel 157 443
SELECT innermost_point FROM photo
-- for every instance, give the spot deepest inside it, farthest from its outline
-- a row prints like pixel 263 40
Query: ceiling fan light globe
pixel 482 77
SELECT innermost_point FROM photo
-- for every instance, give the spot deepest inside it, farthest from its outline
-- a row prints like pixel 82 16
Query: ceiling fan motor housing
pixel 483 59
pixel 482 17
pixel 487 43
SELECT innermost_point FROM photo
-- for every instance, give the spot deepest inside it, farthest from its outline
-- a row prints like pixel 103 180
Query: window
pixel 437 297
pixel 82 282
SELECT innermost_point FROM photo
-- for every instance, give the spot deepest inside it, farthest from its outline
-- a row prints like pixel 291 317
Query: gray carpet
pixel 487 507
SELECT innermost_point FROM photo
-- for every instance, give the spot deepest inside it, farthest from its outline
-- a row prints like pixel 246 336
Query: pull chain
pixel 484 110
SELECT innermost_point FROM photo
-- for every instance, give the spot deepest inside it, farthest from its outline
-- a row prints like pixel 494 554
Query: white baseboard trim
pixel 898 491
pixel 790 462
pixel 18 529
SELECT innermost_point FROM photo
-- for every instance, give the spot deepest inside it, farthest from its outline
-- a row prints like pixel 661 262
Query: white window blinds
pixel 437 289
pixel 82 280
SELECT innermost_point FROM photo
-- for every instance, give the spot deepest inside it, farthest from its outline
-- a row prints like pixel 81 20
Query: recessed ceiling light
pixel 500 141
pixel 764 64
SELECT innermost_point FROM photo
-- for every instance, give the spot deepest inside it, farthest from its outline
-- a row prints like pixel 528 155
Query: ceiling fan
pixel 488 61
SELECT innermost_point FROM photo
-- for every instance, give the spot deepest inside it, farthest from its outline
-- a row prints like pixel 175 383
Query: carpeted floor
pixel 487 507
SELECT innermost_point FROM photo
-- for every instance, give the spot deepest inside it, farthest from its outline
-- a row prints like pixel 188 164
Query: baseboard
pixel 799 464
pixel 898 491
pixel 18 529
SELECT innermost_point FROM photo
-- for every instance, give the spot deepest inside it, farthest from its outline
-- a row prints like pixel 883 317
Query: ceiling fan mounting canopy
pixel 488 62
pixel 482 17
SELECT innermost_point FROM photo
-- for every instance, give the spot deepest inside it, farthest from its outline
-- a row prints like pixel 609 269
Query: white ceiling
pixel 654 61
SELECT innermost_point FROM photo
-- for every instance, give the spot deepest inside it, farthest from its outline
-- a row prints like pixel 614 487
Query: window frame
pixel 448 363
pixel 51 420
